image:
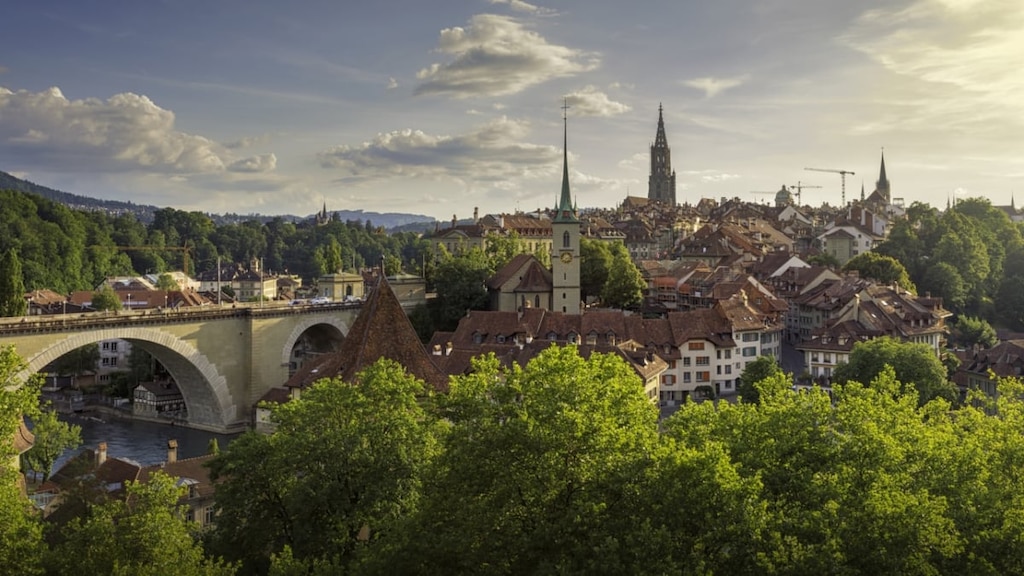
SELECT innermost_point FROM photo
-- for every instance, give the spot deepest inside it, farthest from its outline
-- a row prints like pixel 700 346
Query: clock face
pixel 566 257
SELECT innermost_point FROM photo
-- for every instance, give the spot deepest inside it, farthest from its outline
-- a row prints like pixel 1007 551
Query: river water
pixel 141 442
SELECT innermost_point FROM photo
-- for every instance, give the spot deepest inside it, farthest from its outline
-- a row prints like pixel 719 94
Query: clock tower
pixel 565 246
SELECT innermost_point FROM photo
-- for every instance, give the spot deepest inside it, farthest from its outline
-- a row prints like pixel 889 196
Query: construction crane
pixel 800 189
pixel 183 249
pixel 841 173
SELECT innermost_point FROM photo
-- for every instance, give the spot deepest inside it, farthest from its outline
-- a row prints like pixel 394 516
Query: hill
pixel 144 213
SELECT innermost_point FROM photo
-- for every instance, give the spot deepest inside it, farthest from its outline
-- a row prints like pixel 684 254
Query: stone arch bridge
pixel 223 359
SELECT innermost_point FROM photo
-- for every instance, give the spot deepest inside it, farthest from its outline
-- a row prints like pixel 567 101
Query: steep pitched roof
pixel 382 330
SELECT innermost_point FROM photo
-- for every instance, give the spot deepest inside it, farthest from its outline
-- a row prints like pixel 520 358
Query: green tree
pixel 595 262
pixel 882 269
pixel 944 281
pixel 82 360
pixel 969 331
pixel 21 533
pixel 12 286
pixel 459 282
pixel 167 282
pixel 501 248
pixel 625 286
pixel 540 472
pixel 916 365
pixel 106 299
pixel 761 369
pixel 824 259
pixel 342 467
pixel 52 438
pixel 146 533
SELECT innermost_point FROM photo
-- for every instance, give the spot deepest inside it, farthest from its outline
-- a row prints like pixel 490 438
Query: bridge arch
pixel 334 327
pixel 205 390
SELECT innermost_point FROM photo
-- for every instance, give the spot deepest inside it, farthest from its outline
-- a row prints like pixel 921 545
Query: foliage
pixel 916 365
pixel 145 533
pixel 882 269
pixel 501 249
pixel 21 534
pixel 595 262
pixel 969 332
pixel 763 368
pixel 106 299
pixel 167 282
pixel 625 285
pixel 52 438
pixel 12 286
pixel 342 467
pixel 539 473
pixel 80 361
pixel 944 281
pixel 824 259
pixel 459 282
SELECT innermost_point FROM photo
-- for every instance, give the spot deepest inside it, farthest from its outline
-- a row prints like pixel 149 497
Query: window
pixel 696 346
pixel 728 354
pixel 728 369
pixel 703 376
pixel 209 514
pixel 703 360
pixel 686 361
pixel 750 337
pixel 536 301
pixel 565 239
pixel 750 351
pixel 686 377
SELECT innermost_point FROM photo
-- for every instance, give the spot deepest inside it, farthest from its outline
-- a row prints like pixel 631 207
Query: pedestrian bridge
pixel 223 358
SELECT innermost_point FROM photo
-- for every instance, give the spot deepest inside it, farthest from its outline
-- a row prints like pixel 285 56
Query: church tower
pixel 661 185
pixel 565 231
pixel 882 186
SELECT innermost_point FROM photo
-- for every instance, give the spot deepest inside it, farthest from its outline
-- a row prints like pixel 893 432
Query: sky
pixel 440 107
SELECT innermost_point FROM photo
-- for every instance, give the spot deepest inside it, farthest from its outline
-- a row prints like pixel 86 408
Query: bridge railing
pixel 112 319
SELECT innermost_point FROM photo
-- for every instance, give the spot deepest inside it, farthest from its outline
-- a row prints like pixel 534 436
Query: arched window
pixel 536 301
pixel 348 290
pixel 565 239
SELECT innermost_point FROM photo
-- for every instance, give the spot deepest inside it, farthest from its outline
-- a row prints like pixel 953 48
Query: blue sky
pixel 438 107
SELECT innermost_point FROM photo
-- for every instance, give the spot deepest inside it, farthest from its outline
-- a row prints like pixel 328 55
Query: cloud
pixel 952 61
pixel 711 176
pixel 497 55
pixel 260 163
pixel 713 86
pixel 392 83
pixel 4 69
pixel 520 6
pixel 591 102
pixel 125 132
pixel 248 142
pixel 490 153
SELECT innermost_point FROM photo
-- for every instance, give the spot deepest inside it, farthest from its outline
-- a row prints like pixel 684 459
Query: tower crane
pixel 799 190
pixel 842 173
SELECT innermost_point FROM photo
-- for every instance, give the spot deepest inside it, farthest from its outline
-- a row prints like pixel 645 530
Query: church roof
pixel 565 211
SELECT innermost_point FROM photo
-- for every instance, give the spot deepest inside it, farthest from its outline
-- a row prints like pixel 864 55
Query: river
pixel 141 442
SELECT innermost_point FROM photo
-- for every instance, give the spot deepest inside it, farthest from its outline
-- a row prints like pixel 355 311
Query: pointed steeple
pixel 882 186
pixel 861 190
pixel 565 211
pixel 661 183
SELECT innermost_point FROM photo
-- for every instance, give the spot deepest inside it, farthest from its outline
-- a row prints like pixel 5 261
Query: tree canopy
pixel 915 365
pixel 12 285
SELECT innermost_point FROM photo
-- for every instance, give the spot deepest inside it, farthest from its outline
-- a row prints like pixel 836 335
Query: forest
pixel 562 467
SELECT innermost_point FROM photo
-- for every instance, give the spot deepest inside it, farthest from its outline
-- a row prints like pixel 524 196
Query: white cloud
pixel 711 176
pixel 713 86
pixel 591 102
pixel 497 55
pixel 259 163
pixel 392 83
pixel 490 153
pixel 248 142
pixel 125 132
pixel 954 65
pixel 520 6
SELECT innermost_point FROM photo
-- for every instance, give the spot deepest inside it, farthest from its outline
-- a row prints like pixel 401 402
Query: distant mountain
pixel 144 213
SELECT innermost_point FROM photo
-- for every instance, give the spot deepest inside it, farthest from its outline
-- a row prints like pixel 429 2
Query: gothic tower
pixel 565 253
pixel 882 186
pixel 661 185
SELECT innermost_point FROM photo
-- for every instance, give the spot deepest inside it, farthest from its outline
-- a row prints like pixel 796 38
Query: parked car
pixel 320 300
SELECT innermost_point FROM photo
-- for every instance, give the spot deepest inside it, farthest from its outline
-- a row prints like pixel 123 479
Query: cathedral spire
pixel 661 184
pixel 882 186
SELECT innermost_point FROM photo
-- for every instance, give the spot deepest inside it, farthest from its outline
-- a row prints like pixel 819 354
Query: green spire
pixel 565 211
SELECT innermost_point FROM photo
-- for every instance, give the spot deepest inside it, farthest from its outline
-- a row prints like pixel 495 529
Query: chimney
pixel 437 349
pixel 101 454
pixel 172 451
pixel 476 214
pixel 448 349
